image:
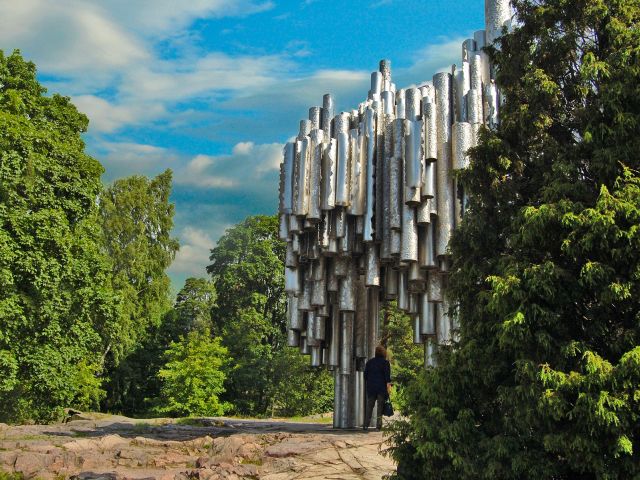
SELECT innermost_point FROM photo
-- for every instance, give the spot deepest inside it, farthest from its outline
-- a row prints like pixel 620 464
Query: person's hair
pixel 381 351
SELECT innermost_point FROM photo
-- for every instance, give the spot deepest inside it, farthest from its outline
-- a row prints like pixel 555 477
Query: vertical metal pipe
pixel 409 245
pixel 329 164
pixel 287 194
pixel 347 321
pixel 371 140
pixel 497 14
pixel 358 165
pixel 333 358
pixel 296 317
pixel 314 117
pixel 400 104
pixel 337 397
pixel 391 283
pixel 293 338
pixel 302 207
pixel 316 356
pixel 427 317
pixel 403 290
pixel 343 160
pixel 328 111
pixel 462 140
pixel 372 268
pixel 346 291
pixel 360 325
pixel 315 169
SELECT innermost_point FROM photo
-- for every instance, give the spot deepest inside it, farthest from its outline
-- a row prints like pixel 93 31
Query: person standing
pixel 377 377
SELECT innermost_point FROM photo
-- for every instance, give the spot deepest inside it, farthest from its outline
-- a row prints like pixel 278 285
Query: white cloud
pixel 245 168
pixel 193 256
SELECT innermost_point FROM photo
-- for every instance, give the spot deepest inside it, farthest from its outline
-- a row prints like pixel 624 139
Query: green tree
pixel 56 295
pixel 191 311
pixel 193 376
pixel 137 219
pixel 546 266
pixel 194 304
pixel 406 358
pixel 249 316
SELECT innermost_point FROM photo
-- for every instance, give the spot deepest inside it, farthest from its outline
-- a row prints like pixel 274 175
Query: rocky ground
pixel 112 447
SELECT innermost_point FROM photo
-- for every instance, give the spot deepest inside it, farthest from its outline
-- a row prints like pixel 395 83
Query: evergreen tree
pixel 55 282
pixel 546 266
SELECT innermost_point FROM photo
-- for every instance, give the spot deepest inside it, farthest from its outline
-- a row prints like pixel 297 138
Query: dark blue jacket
pixel 377 373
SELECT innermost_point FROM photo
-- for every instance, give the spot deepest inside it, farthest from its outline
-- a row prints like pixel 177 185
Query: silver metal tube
pixel 360 325
pixel 293 338
pixel 287 193
pixel 423 212
pixel 413 98
pixel 316 356
pixel 319 293
pixel 328 111
pixel 333 358
pixel 296 317
pixel 346 291
pixel 401 109
pixel 373 320
pixel 346 342
pixel 320 327
pixel 304 300
pixel 376 82
pixel 388 102
pixel 426 255
pixel 370 130
pixel 337 397
pixel 427 317
pixel 314 116
pixel 372 268
pixel 291 280
pixel 304 346
pixel 391 283
pixel 445 198
pixel 431 131
pixel 403 290
pixel 434 286
pixel 315 169
pixel 329 170
pixel 291 256
pixel 409 245
pixel 343 169
pixel 462 140
pixel 358 166
pixel 417 338
pixel 413 154
pixel 359 399
pixel 302 207
pixel 497 14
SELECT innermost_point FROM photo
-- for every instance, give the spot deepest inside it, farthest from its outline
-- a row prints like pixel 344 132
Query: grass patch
pixel 251 461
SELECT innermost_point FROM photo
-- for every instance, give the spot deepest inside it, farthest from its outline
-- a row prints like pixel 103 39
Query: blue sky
pixel 213 88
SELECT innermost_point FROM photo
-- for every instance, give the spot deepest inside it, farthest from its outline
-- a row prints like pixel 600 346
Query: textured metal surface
pixel 462 140
pixel 497 14
pixel 368 202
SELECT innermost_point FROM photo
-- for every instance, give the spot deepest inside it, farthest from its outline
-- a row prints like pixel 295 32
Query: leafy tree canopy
pixel 56 294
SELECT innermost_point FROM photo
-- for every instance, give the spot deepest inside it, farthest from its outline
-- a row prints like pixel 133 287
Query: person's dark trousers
pixel 376 399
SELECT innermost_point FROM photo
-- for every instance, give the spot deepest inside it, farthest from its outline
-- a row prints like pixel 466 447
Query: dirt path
pixel 113 447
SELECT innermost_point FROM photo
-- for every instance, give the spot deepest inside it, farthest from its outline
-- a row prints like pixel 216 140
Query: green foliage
pixel 55 287
pixel 546 266
pixel 249 316
pixel 406 358
pixel 193 376
pixel 137 219
pixel 313 389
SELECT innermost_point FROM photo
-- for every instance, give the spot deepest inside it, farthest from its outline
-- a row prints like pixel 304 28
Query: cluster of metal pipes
pixel 368 202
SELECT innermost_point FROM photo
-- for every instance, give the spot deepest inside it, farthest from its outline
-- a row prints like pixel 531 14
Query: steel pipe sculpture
pixel 368 202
